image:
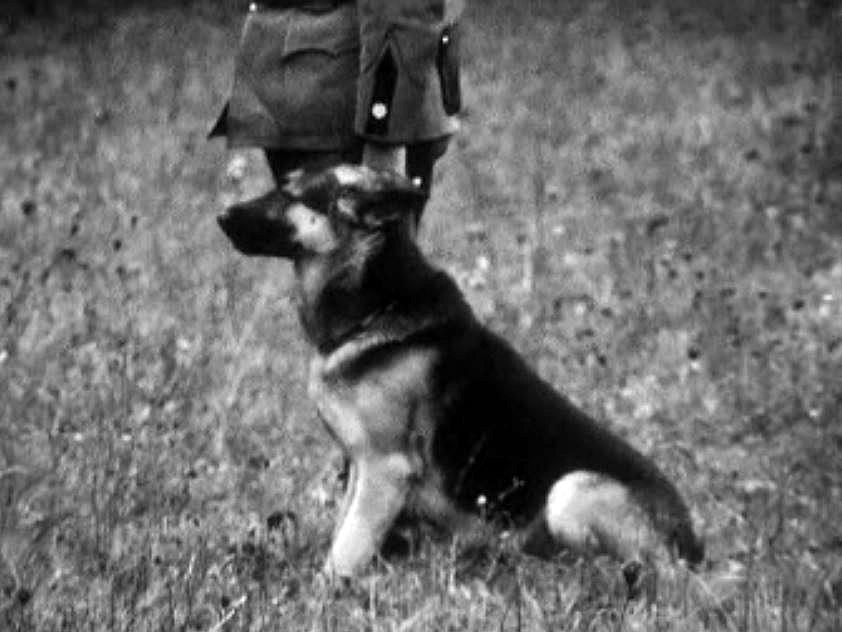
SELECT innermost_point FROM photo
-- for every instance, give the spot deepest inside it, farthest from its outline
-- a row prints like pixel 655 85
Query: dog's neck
pixel 383 293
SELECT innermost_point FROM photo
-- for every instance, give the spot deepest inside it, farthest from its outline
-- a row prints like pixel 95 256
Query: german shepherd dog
pixel 439 418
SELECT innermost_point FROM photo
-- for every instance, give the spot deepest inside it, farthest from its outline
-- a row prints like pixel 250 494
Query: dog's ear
pixel 381 200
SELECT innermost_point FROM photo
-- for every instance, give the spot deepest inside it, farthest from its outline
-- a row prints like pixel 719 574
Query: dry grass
pixel 644 197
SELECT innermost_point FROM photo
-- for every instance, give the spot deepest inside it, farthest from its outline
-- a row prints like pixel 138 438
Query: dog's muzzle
pixel 256 230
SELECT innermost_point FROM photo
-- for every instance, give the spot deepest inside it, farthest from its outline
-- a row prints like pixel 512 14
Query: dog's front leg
pixel 348 493
pixel 380 483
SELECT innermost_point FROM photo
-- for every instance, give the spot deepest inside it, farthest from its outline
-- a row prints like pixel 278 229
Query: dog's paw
pixel 330 585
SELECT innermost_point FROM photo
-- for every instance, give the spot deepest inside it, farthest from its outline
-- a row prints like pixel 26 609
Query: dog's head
pixel 317 213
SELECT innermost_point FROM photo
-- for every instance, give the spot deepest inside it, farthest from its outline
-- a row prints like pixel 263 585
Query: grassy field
pixel 645 197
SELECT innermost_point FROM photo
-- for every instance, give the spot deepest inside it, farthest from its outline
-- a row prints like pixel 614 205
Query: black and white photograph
pixel 421 315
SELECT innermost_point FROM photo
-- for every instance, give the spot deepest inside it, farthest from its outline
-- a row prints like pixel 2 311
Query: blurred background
pixel 644 196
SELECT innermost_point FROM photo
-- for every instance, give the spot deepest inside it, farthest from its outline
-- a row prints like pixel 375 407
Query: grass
pixel 644 197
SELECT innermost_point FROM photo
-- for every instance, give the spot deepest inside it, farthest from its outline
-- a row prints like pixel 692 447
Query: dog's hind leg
pixel 377 494
pixel 589 513
pixel 350 485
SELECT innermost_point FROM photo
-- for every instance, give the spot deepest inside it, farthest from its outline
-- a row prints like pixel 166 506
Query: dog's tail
pixel 670 517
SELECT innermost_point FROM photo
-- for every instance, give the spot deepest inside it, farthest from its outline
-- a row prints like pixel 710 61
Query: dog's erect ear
pixel 381 199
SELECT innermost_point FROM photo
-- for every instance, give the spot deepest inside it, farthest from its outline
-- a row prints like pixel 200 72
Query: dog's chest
pixel 377 409
pixel 336 403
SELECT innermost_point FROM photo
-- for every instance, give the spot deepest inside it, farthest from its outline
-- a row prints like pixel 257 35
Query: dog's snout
pixel 257 228
pixel 231 223
pixel 224 219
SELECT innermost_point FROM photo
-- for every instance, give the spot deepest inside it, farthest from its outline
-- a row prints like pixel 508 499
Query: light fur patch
pixel 594 514
pixel 350 175
pixel 374 413
pixel 346 205
pixel 293 183
pixel 333 363
pixel 312 229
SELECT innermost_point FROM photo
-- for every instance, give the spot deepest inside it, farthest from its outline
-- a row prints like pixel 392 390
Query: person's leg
pixel 385 157
pixel 420 161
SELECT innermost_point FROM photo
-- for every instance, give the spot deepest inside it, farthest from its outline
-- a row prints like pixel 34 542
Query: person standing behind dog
pixel 321 82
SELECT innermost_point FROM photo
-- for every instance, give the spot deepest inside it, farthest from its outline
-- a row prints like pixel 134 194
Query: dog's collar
pixel 356 346
pixel 354 339
pixel 352 350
